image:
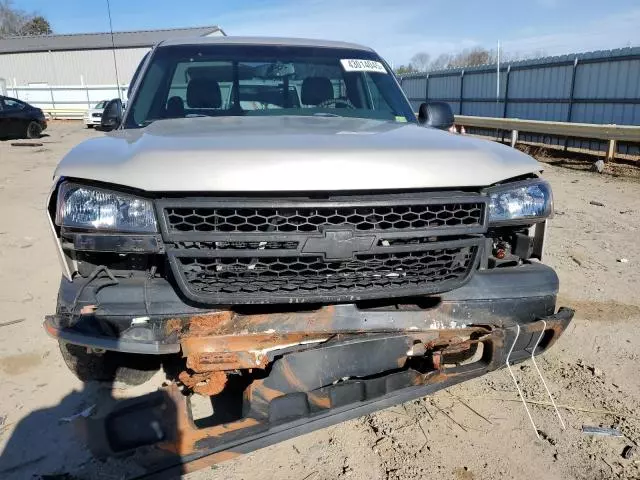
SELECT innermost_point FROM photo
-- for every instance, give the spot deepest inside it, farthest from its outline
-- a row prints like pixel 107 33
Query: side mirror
pixel 436 115
pixel 111 115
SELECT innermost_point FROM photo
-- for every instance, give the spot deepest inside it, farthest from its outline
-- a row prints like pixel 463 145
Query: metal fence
pixel 65 101
pixel 597 87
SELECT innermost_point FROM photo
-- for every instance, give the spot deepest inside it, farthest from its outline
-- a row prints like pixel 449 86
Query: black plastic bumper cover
pixel 500 297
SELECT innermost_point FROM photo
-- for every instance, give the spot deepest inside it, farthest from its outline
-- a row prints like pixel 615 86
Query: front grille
pixel 313 219
pixel 316 276
pixel 243 251
pixel 96 115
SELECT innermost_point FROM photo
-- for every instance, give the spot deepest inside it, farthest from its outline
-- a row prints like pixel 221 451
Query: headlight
pixel 531 200
pixel 94 208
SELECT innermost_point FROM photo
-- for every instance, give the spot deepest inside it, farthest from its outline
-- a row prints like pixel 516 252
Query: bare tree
pixel 421 61
pixel 404 69
pixel 38 25
pixel 472 58
pixel 16 22
pixel 11 19
pixel 443 61
pixel 479 56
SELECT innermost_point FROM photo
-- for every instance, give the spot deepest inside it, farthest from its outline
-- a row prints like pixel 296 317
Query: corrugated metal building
pixel 82 59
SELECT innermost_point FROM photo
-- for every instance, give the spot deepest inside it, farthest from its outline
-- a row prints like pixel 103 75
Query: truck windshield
pixel 232 80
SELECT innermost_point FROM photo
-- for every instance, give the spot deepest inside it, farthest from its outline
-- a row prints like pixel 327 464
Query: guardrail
pixel 64 113
pixel 610 133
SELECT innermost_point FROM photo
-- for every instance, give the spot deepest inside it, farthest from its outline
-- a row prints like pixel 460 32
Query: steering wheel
pixel 336 101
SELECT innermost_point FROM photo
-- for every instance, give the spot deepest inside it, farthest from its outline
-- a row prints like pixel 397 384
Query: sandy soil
pixel 478 430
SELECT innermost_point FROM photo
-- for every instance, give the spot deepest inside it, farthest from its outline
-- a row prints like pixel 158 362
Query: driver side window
pixel 10 104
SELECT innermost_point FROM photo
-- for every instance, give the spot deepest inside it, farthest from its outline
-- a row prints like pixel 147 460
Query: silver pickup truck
pixel 271 222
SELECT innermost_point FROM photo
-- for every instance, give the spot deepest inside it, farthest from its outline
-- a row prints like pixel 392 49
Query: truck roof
pixel 292 42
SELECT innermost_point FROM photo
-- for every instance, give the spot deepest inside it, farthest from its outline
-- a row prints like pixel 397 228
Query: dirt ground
pixel 478 430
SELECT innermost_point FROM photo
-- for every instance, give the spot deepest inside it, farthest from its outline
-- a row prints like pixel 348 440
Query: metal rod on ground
pixel 515 382
pixel 533 359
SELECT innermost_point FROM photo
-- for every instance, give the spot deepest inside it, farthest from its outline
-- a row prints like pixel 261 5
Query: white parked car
pixel 93 116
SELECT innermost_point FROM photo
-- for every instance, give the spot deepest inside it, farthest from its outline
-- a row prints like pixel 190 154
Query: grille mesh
pixel 255 245
pixel 309 274
pixel 306 219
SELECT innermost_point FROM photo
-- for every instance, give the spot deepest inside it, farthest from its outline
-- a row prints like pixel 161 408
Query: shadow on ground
pixel 53 443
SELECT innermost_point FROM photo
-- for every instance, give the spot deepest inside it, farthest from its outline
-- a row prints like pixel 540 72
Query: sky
pixel 397 29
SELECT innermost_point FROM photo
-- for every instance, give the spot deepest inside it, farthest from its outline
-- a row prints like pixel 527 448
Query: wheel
pixel 114 367
pixel 89 125
pixel 33 130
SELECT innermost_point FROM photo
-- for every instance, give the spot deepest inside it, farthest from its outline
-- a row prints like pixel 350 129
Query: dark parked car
pixel 19 119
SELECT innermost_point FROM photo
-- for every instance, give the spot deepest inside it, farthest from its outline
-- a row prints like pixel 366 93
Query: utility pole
pixel 113 50
pixel 498 81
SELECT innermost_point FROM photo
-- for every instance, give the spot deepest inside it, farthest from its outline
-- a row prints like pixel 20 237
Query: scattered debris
pixel 449 417
pixel 595 371
pixel 623 260
pixel 622 212
pixel 83 414
pixel 576 260
pixel 469 407
pixel 595 411
pixel 12 322
pixel 26 144
pixel 629 451
pixel 602 431
pixel 609 465
pixel 599 166
pixel 597 204
pixel 545 436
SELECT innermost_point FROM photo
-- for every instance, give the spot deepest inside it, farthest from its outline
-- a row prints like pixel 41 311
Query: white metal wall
pixel 66 101
pixel 76 67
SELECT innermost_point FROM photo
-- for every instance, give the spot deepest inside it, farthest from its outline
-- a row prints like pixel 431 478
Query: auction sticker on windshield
pixel 355 65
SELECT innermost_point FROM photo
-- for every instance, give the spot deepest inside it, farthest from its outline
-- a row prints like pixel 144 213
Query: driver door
pixel 14 120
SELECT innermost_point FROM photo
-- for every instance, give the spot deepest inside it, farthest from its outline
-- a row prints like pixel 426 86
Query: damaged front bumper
pixel 148 316
pixel 310 366
pixel 303 392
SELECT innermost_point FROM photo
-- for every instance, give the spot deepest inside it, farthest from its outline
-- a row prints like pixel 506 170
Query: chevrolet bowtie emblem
pixel 338 244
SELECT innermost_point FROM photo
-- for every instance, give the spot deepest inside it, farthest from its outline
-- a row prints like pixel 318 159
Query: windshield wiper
pixel 325 114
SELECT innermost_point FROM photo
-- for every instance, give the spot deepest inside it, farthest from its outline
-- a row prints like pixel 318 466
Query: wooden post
pixel 611 153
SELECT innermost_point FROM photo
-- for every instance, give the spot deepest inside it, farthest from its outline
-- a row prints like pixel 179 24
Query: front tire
pixel 33 130
pixel 127 369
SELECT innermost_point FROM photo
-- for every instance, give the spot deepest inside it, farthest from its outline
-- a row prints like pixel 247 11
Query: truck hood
pixel 286 153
